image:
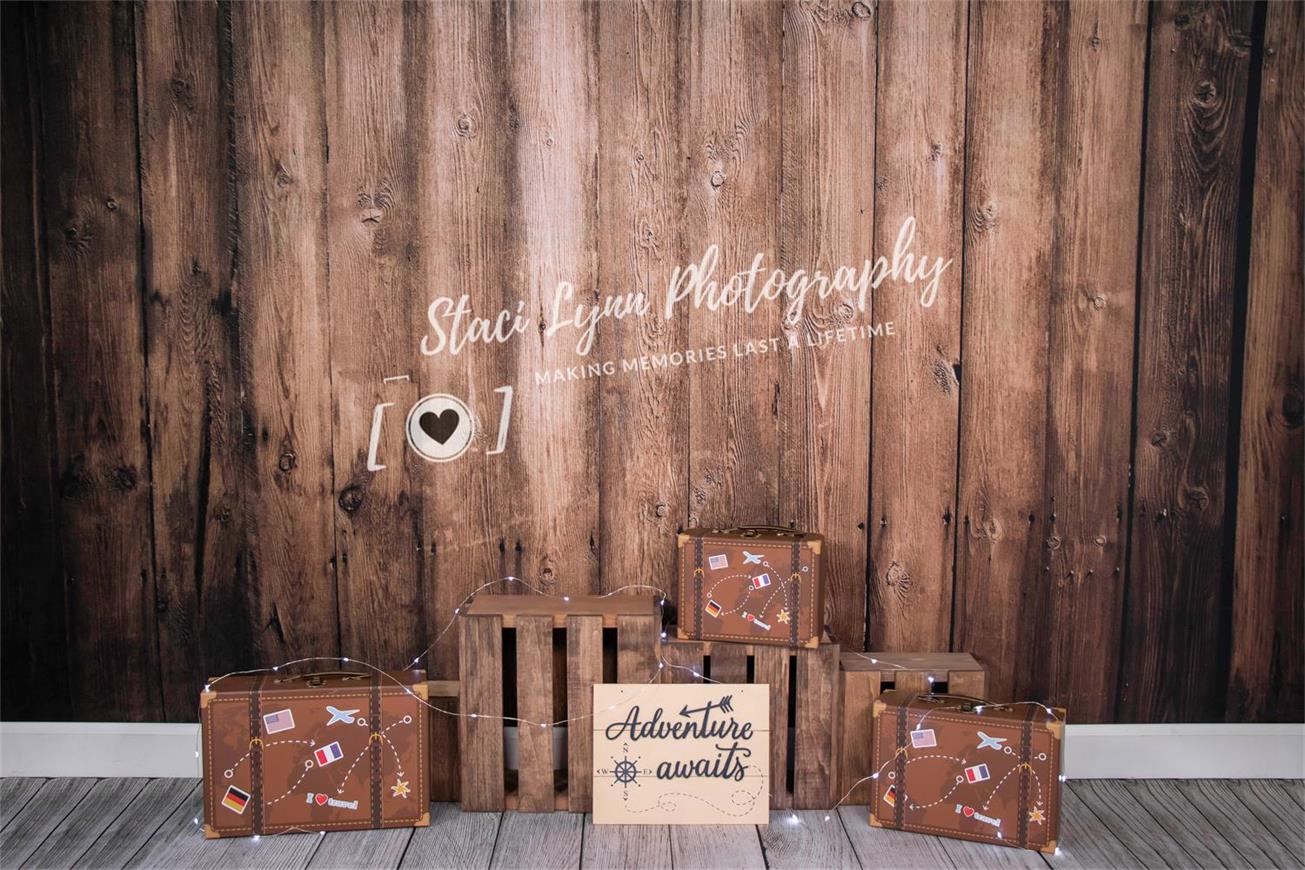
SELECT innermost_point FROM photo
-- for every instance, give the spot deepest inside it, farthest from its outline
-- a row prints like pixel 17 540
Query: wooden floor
pixel 1107 823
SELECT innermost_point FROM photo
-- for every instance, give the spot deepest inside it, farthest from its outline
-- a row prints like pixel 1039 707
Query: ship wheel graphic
pixel 625 771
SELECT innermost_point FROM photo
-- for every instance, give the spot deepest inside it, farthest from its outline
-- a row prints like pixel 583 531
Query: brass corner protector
pixel 421 690
pixel 424 821
pixel 681 539
pixel 210 833
pixel 206 698
pixel 874 820
pixel 815 546
pixel 877 707
pixel 1056 729
pixel 1049 848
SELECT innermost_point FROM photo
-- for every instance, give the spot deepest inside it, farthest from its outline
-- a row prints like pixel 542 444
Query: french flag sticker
pixel 328 754
pixel 977 773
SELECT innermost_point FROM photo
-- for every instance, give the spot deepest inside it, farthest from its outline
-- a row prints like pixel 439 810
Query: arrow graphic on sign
pixel 725 704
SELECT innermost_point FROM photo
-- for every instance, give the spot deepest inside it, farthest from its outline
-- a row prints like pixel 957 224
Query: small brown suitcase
pixel 314 752
pixel 760 584
pixel 962 767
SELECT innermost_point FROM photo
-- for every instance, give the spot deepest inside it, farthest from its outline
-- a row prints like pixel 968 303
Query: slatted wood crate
pixel 538 657
pixel 804 703
pixel 861 682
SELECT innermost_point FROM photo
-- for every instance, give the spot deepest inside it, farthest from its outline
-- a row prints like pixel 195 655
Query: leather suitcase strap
pixel 698 603
pixel 374 747
pixel 256 755
pixel 794 593
pixel 1026 751
pixel 899 767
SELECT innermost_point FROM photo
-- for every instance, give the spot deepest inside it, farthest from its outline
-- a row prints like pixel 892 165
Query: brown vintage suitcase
pixel 314 752
pixel 962 767
pixel 760 584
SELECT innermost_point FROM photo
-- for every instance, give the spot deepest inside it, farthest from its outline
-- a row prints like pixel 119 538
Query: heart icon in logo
pixel 969 812
pixel 440 426
pixel 321 799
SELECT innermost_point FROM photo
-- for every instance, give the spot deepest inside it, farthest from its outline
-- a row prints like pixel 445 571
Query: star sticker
pixel 783 615
pixel 1036 816
pixel 400 789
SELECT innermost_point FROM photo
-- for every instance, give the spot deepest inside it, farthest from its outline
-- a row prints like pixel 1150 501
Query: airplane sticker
pixel 751 558
pixel 986 742
pixel 345 716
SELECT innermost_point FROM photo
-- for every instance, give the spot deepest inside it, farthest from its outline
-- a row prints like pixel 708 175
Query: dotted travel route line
pixel 398 764
pixel 1015 769
pixel 231 771
pixel 747 801
pixel 308 765
pixel 780 586
pixel 906 797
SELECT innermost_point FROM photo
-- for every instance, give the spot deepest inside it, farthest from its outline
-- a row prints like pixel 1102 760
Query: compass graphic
pixel 624 771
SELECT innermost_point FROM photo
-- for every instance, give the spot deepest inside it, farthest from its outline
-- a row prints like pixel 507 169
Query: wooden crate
pixel 556 655
pixel 804 697
pixel 861 682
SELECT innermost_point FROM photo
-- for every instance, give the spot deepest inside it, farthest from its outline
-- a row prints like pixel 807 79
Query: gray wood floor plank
pixel 356 850
pixel 1275 809
pixel 967 853
pixel 15 792
pixel 698 846
pixel 641 846
pixel 279 851
pixel 880 847
pixel 539 840
pixel 1234 822
pixel 178 842
pixel 82 827
pixel 138 823
pixel 806 838
pixel 41 815
pixel 454 839
pixel 1171 808
pixel 1131 823
pixel 1085 841
pixel 1296 788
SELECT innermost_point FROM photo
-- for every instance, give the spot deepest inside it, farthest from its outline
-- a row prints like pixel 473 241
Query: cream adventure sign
pixel 682 754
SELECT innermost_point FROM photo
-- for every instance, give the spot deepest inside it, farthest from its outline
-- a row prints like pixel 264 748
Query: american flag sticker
pixel 977 773
pixel 761 581
pixel 713 608
pixel 718 561
pixel 328 754
pixel 890 796
pixel 923 738
pixel 236 800
pixel 281 720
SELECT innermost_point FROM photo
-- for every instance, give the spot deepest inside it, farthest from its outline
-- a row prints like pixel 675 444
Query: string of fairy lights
pixel 662 665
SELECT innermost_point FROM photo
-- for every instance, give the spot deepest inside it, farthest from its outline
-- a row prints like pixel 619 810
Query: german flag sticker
pixel 236 800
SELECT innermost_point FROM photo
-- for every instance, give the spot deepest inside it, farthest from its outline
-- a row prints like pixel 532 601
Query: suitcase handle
pixel 315 678
pixel 943 697
pixel 751 531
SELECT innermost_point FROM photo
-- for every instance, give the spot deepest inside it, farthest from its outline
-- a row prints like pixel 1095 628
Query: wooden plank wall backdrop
pixel 223 224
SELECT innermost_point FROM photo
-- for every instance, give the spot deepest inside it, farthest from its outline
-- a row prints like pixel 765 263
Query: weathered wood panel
pixel 469 244
pixel 551 70
pixel 826 222
pixel 1175 642
pixel 732 116
pixel 373 229
pixel 535 705
pixel 919 173
pixel 33 611
pixel 1008 238
pixel 480 705
pixel 641 195
pixel 1266 680
pixel 184 111
pixel 91 214
pixel 1096 177
pixel 281 293
pixel 584 667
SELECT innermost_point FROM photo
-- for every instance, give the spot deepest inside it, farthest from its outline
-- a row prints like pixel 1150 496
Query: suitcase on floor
pixel 760 584
pixel 314 752
pixel 961 767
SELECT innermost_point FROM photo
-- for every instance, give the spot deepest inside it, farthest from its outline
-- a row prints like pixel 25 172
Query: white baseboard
pixel 1200 751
